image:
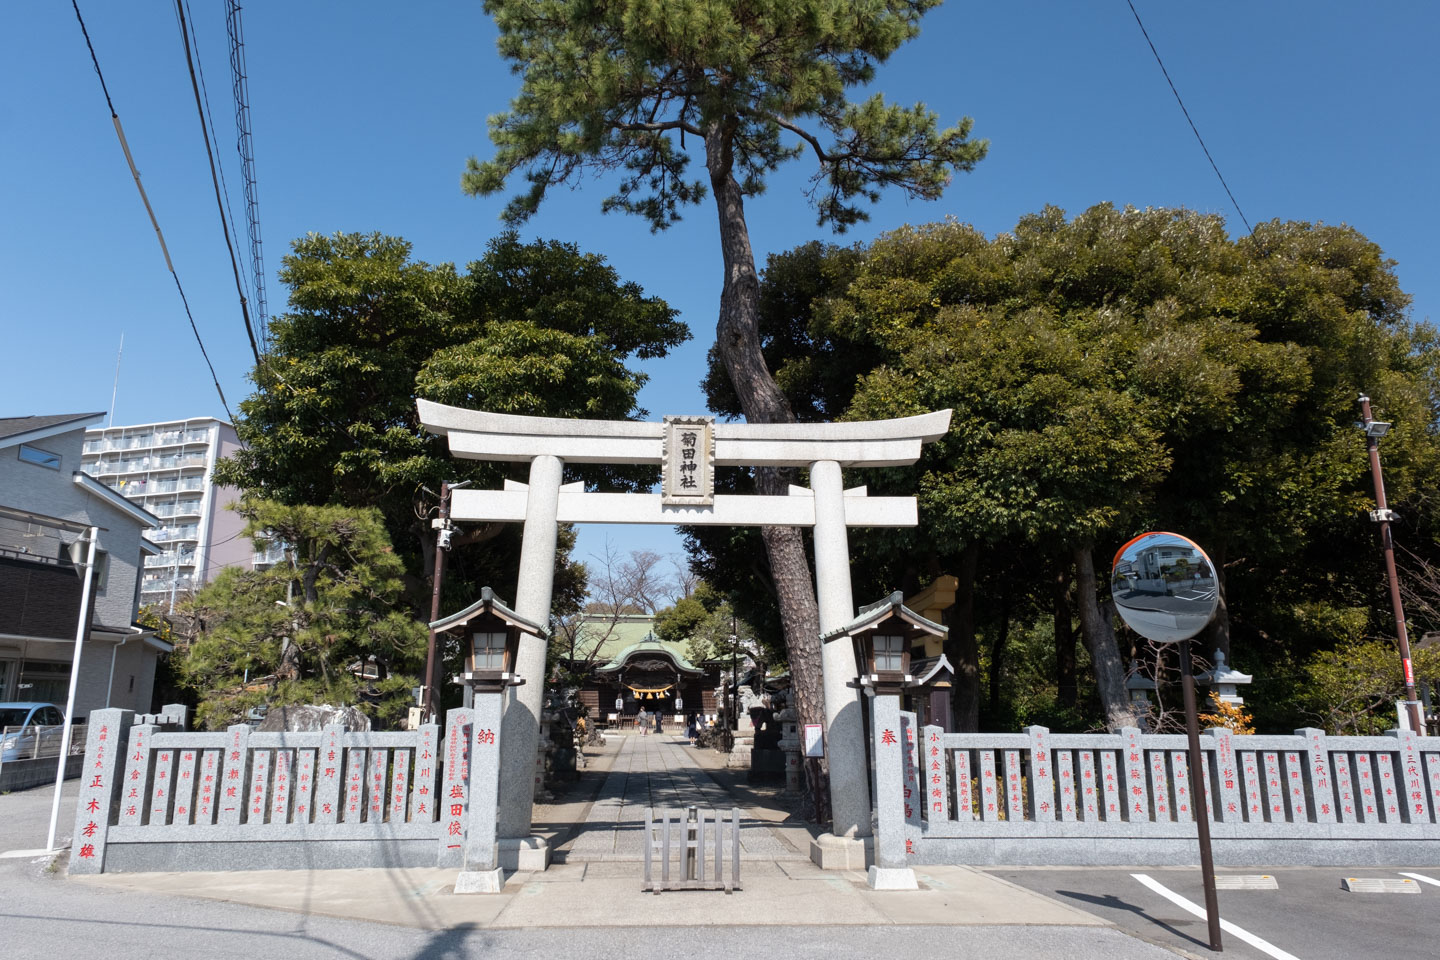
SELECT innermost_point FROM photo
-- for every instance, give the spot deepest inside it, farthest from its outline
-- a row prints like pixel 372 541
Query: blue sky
pixel 364 113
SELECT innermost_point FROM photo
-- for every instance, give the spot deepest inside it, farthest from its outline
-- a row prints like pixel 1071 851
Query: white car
pixel 30 730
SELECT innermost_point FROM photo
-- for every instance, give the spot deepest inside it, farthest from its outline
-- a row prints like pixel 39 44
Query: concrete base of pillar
pixel 480 881
pixel 892 878
pixel 829 852
pixel 524 853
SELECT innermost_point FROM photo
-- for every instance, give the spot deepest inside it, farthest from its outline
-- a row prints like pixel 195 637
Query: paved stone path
pixel 660 771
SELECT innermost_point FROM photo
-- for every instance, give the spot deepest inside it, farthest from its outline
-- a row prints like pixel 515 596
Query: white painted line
pixel 1422 878
pixel 1264 946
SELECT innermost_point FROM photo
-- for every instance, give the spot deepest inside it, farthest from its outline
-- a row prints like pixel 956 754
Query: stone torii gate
pixel 688 450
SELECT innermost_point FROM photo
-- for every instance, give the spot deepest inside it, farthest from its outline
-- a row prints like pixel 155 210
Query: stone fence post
pixel 99 799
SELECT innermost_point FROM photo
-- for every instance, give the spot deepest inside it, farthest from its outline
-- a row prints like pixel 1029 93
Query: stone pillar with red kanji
pixel 99 796
pixel 481 871
pixel 891 870
pixel 455 787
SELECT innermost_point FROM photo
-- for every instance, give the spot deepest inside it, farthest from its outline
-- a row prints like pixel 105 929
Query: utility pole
pixel 1374 430
pixel 442 544
pixel 443 532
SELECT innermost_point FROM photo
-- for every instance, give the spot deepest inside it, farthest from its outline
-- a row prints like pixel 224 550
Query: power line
pixel 210 120
pixel 245 146
pixel 1193 128
pixel 215 179
pixel 135 174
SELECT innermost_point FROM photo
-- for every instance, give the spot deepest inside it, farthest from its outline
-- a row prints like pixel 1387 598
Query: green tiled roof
pixel 622 638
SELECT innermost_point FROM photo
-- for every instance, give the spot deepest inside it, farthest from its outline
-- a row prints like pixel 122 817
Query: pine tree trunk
pixel 998 650
pixel 1217 635
pixel 1065 685
pixel 737 339
pixel 961 648
pixel 1098 630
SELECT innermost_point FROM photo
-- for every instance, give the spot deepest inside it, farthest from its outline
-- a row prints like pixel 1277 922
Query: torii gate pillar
pixel 844 730
pixel 519 748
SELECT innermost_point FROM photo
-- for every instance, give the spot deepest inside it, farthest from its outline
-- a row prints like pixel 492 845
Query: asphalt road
pixel 1309 916
pixel 45 917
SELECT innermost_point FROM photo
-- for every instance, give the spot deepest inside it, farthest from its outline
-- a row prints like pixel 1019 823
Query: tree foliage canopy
pixel 1117 371
pixel 302 630
pixel 531 328
pixel 618 87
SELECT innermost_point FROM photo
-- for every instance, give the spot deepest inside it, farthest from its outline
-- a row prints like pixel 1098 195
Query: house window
pixel 41 458
pixel 45 681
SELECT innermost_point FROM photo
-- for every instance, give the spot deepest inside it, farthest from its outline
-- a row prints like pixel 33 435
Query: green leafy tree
pixel 619 87
pixel 306 630
pixel 1112 371
pixel 538 328
pixel 711 630
pixel 1352 689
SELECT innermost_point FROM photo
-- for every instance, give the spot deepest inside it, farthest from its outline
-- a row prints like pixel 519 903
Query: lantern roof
pixel 489 605
pixel 1222 672
pixel 873 614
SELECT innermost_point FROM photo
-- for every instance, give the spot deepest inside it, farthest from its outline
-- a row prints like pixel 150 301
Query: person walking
pixel 658 724
pixel 642 720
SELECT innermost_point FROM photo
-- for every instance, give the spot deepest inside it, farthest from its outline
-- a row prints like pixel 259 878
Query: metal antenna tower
pixel 245 145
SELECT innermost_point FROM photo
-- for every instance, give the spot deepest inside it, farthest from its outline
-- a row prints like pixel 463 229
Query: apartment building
pixel 167 469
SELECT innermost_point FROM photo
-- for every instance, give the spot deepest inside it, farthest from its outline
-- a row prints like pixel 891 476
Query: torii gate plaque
pixel 548 443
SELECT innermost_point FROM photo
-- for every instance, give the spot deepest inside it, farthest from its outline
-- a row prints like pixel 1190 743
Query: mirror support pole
pixel 1387 546
pixel 1202 802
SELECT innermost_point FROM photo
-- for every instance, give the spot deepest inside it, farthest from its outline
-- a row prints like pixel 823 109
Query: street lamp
pixel 492 631
pixel 1374 430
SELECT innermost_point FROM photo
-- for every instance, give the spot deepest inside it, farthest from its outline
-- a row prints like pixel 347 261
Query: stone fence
pixel 238 799
pixel 1047 798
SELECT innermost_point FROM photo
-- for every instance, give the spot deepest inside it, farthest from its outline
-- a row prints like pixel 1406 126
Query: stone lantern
pixel 882 636
pixel 1140 688
pixel 491 633
pixel 1225 680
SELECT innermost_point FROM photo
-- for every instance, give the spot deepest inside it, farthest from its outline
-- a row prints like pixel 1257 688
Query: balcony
pixel 176 461
pixel 164 560
pixel 181 508
pixel 166 584
pixel 136 442
pixel 189 531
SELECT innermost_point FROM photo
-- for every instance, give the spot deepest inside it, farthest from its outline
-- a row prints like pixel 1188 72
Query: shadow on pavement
pixel 1113 902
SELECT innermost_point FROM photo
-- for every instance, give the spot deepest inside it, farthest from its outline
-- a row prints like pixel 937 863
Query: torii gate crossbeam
pixel 548 443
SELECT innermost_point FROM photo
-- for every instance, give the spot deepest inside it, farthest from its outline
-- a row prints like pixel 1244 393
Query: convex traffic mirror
pixel 1164 587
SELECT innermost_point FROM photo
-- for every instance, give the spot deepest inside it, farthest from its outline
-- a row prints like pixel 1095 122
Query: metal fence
pixel 694 842
pixel 39 742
